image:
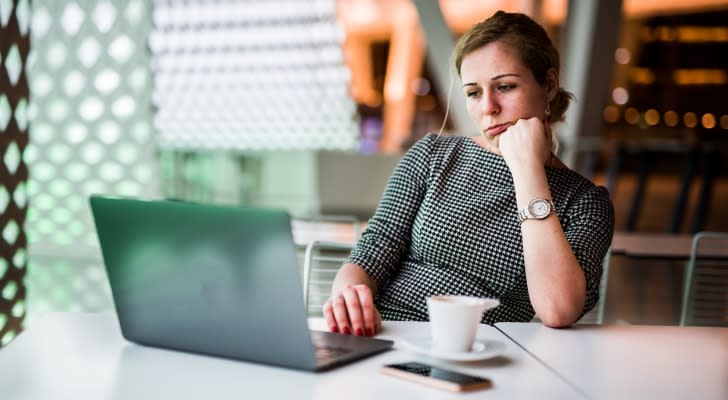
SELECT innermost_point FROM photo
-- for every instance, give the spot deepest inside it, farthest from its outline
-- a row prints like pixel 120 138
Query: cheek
pixel 472 108
pixel 535 107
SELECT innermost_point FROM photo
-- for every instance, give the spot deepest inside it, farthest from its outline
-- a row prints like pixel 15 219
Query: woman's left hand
pixel 526 143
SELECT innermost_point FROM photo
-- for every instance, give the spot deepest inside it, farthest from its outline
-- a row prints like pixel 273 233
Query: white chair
pixel 321 262
pixel 705 293
pixel 328 236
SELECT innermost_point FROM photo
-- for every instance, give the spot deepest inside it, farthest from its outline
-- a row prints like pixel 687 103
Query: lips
pixel 494 130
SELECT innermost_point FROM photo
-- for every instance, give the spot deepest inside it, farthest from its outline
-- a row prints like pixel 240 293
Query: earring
pixel 548 109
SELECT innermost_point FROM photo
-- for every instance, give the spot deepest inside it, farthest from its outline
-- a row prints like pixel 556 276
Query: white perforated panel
pixel 251 75
pixel 91 132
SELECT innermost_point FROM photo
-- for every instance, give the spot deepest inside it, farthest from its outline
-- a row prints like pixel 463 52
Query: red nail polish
pixel 345 330
pixel 335 329
pixel 370 332
pixel 359 332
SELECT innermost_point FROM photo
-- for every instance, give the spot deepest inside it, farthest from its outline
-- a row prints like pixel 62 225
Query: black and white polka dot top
pixel 447 224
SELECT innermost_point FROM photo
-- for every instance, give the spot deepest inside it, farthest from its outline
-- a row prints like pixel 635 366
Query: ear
pixel 552 83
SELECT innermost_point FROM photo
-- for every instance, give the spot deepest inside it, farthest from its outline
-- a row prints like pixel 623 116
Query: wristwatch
pixel 538 208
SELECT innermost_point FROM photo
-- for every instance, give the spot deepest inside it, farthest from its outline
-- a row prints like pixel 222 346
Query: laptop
pixel 215 280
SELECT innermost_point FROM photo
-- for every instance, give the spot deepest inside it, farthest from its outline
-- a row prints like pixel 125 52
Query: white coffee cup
pixel 454 321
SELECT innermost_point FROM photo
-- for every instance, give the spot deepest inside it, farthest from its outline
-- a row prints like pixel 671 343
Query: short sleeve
pixel 589 232
pixel 382 245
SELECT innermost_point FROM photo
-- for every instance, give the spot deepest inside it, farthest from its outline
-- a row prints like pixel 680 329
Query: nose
pixel 489 105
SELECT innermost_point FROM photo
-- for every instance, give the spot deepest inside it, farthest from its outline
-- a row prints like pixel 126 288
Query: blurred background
pixel 308 105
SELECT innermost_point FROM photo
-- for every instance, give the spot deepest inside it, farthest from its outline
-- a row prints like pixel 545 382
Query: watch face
pixel 540 208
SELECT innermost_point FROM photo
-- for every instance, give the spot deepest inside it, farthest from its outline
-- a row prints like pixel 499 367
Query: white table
pixel 82 356
pixel 632 361
pixel 659 246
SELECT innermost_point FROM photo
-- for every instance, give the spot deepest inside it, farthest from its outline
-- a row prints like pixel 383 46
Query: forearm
pixel 352 274
pixel 556 282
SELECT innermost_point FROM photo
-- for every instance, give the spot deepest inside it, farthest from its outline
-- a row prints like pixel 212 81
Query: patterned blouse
pixel 447 224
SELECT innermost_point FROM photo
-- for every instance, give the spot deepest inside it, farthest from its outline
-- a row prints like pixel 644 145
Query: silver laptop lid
pixel 208 279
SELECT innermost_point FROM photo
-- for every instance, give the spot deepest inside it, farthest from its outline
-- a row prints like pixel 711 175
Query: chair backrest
pixel 332 228
pixel 322 261
pixel 705 293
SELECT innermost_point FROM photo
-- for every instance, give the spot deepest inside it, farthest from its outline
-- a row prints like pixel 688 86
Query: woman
pixel 497 215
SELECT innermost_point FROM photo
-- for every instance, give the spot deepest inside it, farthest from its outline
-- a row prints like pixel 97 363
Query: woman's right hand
pixel 351 311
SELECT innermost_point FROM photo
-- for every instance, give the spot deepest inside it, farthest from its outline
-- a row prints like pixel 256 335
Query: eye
pixel 505 87
pixel 473 93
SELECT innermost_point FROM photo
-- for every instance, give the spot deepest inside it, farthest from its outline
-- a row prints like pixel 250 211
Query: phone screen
pixel 437 376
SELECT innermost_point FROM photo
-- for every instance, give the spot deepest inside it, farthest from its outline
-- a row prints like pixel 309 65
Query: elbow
pixel 555 320
pixel 560 308
pixel 555 316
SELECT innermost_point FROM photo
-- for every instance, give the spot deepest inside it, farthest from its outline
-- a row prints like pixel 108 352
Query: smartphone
pixel 437 377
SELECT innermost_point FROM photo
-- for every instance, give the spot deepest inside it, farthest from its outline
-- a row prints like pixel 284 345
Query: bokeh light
pixel 611 114
pixel 671 118
pixel 622 55
pixel 632 116
pixel 690 119
pixel 652 117
pixel 708 121
pixel 620 95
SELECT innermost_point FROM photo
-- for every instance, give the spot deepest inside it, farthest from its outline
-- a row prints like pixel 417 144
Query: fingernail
pixel 345 330
pixel 359 332
pixel 335 329
pixel 370 332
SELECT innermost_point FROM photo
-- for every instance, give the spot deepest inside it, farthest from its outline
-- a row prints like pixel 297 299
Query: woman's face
pixel 500 90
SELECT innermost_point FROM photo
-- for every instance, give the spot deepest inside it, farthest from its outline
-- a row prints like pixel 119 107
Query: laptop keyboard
pixel 326 354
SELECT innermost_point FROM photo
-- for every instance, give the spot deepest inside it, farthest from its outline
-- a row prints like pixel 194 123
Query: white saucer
pixel 482 349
